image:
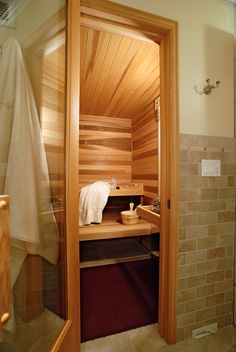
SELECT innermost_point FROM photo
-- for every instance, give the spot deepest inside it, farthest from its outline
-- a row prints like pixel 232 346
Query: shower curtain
pixel 23 165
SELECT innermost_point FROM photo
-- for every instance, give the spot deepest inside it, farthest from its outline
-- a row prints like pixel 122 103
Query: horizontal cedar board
pixel 149 128
pixel 53 124
pixel 145 177
pixel 89 134
pixel 53 136
pixel 123 156
pixel 100 172
pixel 50 148
pixel 51 94
pixel 104 121
pixel 115 229
pixel 150 189
pixel 96 155
pixel 145 156
pixel 144 116
pixel 145 139
pixel 123 145
pixel 112 143
pixel 53 116
pixel 144 162
pixel 105 129
pixel 151 183
pixel 104 162
pixel 102 169
pixel 145 169
pixel 53 120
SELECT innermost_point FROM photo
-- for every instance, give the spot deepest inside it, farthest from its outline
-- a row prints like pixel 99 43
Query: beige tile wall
pixel 206 246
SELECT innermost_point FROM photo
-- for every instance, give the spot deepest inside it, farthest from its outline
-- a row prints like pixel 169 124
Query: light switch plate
pixel 211 168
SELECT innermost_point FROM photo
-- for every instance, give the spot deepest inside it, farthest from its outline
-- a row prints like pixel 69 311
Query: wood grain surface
pixel 105 149
pixel 119 74
pixel 5 282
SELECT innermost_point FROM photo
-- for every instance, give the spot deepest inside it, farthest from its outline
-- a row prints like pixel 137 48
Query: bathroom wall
pixel 105 149
pixel 207 204
pixel 207 225
pixel 145 153
pixel 27 9
pixel 205 51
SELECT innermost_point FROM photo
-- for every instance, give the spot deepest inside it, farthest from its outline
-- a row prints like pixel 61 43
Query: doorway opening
pixel 114 27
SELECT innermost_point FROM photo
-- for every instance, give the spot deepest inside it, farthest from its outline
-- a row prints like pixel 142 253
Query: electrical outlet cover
pixel 211 168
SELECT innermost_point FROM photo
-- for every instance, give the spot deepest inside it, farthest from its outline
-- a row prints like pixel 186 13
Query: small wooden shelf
pixel 115 229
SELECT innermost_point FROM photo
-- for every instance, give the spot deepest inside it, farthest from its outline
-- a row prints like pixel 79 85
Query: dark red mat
pixel 118 297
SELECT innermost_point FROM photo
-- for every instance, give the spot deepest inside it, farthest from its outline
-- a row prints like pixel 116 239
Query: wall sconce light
pixel 208 88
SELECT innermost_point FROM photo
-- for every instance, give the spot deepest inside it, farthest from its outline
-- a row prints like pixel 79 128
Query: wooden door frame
pixel 69 337
pixel 165 32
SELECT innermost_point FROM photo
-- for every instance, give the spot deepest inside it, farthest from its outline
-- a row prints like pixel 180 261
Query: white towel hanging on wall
pixel 24 175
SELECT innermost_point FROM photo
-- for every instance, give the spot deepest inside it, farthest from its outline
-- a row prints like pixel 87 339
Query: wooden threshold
pixel 115 229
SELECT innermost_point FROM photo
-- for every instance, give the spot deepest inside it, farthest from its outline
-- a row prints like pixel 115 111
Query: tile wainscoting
pixel 206 235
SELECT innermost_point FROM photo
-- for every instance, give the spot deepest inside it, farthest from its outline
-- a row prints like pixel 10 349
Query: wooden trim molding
pixel 169 132
pixel 62 340
pixel 69 338
pixel 72 143
pixel 164 32
pixel 5 268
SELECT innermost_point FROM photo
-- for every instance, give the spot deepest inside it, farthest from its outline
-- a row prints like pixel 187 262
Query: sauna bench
pixel 126 192
pixel 115 229
pixel 112 251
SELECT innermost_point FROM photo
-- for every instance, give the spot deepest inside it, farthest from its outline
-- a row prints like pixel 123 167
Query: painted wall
pixel 31 15
pixel 205 51
pixel 29 27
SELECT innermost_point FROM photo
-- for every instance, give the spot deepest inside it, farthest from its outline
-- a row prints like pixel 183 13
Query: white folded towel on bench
pixel 92 201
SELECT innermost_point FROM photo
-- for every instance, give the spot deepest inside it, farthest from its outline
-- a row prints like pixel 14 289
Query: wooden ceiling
pixel 120 76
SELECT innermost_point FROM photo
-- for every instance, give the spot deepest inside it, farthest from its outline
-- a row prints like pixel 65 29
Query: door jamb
pixel 165 32
pixel 69 337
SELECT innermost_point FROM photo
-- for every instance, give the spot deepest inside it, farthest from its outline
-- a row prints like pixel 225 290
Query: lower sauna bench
pixel 119 285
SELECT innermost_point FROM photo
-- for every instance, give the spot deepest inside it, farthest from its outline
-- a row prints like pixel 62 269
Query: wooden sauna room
pixel 119 129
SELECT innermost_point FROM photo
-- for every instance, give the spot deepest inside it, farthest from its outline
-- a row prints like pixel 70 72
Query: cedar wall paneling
pixel 105 149
pixel 53 117
pixel 145 153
